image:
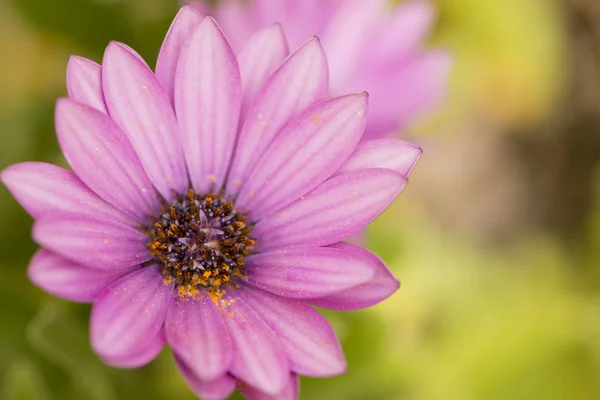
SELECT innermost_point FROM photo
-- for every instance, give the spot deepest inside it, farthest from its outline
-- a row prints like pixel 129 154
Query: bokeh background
pixel 496 239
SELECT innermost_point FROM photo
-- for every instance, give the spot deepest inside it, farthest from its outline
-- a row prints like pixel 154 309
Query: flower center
pixel 201 241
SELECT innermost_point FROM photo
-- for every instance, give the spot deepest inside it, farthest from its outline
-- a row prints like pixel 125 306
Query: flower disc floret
pixel 200 241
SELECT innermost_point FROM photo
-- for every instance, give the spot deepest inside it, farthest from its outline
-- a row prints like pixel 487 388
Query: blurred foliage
pixel 468 322
pixel 510 56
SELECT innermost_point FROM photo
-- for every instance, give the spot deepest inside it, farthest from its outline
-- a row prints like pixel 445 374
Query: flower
pixel 370 46
pixel 207 207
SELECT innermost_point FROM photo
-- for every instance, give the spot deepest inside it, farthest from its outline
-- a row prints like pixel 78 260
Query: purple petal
pixel 301 19
pixel 204 7
pixel 45 188
pixel 217 389
pixel 404 29
pixel 92 242
pixel 348 35
pixel 309 272
pixel 304 154
pixel 84 82
pixel 382 286
pixel 334 211
pixel 289 392
pixel 138 104
pixel 422 79
pixel 300 81
pixel 396 155
pixel 103 159
pixel 234 13
pixel 207 101
pixel 265 51
pixel 67 279
pixel 260 359
pixel 129 315
pixel 196 332
pixel 133 53
pixel 184 23
pixel 309 341
pixel 358 239
pixel 139 358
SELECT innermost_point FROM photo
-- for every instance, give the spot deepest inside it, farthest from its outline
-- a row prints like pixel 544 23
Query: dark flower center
pixel 201 241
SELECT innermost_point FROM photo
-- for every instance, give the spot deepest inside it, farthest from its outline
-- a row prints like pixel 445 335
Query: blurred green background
pixel 496 240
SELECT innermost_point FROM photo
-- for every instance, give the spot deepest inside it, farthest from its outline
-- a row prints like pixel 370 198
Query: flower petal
pixel 129 314
pixel 382 286
pixel 334 211
pixel 133 53
pixel 184 23
pixel 260 359
pixel 236 18
pixel 404 29
pixel 265 51
pixel 304 154
pixel 397 155
pixel 91 242
pixel 45 188
pixel 207 101
pixel 138 104
pixel 204 7
pixel 84 82
pixel 349 33
pixel 300 81
pixel 139 358
pixel 67 279
pixel 308 272
pixel 217 389
pixel 301 19
pixel 289 392
pixel 103 159
pixel 309 341
pixel 422 80
pixel 196 332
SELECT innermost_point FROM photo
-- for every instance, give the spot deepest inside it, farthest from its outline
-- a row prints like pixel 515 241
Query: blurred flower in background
pixel 496 239
pixel 371 45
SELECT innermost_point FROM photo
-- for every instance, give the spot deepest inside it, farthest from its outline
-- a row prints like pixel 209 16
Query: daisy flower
pixel 207 207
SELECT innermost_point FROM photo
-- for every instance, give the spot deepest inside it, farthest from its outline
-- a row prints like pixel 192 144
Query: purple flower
pixel 369 44
pixel 207 207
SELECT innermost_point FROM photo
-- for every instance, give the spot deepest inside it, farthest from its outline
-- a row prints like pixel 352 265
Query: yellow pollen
pixel 200 243
pixel 316 119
